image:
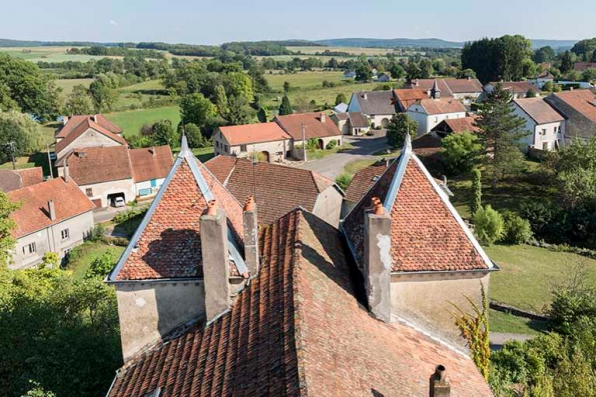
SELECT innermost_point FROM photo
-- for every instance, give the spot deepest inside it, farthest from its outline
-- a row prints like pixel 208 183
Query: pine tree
pixel 476 191
pixel 262 115
pixel 285 107
pixel 398 127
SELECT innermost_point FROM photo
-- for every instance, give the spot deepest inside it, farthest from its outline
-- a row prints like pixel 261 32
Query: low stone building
pixel 55 216
pixel 579 111
pixel 16 179
pixel 309 126
pixel 278 189
pixel 456 126
pixel 544 124
pixel 265 140
pixel 351 123
pixel 517 89
pixel 466 90
pixel 378 106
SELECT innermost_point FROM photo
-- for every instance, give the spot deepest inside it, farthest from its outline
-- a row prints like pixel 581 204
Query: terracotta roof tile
pixel 31 176
pixel 16 179
pixel 292 124
pixel 80 129
pixel 582 101
pixel 441 106
pixel 33 215
pixel 170 245
pixel 99 164
pixel 449 87
pixel 296 330
pixel 540 111
pixel 253 133
pixel 150 163
pixel 363 180
pixel 277 188
pixel 517 87
pixel 74 122
pixel 425 234
pixel 407 96
pixel 458 125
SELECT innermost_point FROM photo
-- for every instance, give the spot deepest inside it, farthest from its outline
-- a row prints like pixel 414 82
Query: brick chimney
pixel 323 117
pixel 65 166
pixel 439 383
pixel 52 210
pixel 95 118
pixel 377 260
pixel 251 236
pixel 216 263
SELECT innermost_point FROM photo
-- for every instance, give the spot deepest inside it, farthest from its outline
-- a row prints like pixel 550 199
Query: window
pixel 243 148
pixel 545 146
pixel 544 132
pixel 29 249
pixel 153 182
pixel 217 144
pixel 65 234
pixel 89 192
pixel 225 148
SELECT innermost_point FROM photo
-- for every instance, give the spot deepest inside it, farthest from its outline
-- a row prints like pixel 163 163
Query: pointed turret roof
pixel 427 233
pixel 167 243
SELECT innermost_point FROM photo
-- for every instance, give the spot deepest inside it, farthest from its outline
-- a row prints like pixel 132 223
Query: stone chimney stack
pixel 323 117
pixel 439 383
pixel 377 260
pixel 251 236
pixel 216 263
pixel 66 176
pixel 52 210
pixel 95 118
pixel 65 120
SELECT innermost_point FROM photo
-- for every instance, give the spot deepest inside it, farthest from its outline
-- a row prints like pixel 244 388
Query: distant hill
pixel 27 43
pixel 555 44
pixel 390 43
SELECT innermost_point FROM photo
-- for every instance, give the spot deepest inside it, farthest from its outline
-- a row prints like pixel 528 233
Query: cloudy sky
pixel 215 22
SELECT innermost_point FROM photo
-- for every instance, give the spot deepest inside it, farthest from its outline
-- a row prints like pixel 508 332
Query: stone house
pixel 428 113
pixel 16 179
pixel 466 90
pixel 267 312
pixel 578 107
pixel 309 126
pixel 55 216
pixel 278 189
pixel 378 106
pixel 545 125
pixel 543 78
pixel 267 140
pixel 405 97
pixel 517 89
pixel 86 131
pixel 351 123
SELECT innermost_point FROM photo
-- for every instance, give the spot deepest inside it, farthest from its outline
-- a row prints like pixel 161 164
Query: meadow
pixel 68 84
pixel 131 121
pixel 48 54
pixel 355 51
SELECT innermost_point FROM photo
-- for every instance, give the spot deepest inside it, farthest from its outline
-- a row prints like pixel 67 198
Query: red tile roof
pixel 458 125
pixel 150 163
pixel 427 234
pixel 253 133
pixel 581 66
pixel 16 179
pixel 292 124
pixel 364 179
pixel 99 164
pixel 169 246
pixel 582 101
pixel 540 111
pixel 407 96
pixel 277 188
pixel 517 87
pixel 296 330
pixel 80 129
pixel 31 176
pixel 33 215
pixel 441 106
pixel 75 121
pixel 449 87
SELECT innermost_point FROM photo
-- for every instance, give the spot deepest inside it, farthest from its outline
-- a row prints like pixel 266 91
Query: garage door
pixel 97 202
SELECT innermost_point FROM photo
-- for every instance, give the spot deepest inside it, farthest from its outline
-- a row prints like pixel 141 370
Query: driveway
pixel 106 214
pixel 333 165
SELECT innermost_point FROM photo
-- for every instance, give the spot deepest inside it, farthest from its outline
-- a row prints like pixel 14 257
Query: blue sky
pixel 215 22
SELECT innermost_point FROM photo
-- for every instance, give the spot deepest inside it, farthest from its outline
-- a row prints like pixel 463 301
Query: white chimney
pixel 323 117
pixel 52 210
pixel 95 118
pixel 251 236
pixel 65 120
pixel 364 95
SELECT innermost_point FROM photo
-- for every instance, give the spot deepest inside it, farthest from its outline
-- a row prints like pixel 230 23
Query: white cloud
pixel 112 22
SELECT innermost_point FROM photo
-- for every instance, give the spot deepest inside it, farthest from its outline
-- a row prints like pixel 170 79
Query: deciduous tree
pixel 79 101
pixel 22 131
pixel 399 126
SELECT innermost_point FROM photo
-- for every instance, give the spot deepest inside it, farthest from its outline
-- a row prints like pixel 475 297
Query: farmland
pixel 131 121
pixel 47 54
pixel 355 51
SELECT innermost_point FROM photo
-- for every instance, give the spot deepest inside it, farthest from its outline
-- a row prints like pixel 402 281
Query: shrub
pixel 100 267
pixel 489 225
pixel 332 143
pixel 461 152
pixel 343 181
pixel 97 232
pixel 517 229
pixel 570 305
pixel 126 215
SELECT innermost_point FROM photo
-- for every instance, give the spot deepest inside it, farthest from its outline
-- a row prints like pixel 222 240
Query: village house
pixel 428 113
pixel 544 123
pixel 543 78
pixel 199 273
pixel 16 179
pixel 455 126
pixel 55 216
pixel 278 189
pixel 517 89
pixel 351 123
pixel 466 90
pixel 578 107
pixel 267 140
pixel 317 126
pixel 405 97
pixel 378 106
pixel 85 131
pixel 581 66
pixel 340 108
pixel 107 173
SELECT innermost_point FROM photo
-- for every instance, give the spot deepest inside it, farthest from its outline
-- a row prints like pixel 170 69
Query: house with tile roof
pixel 543 77
pixel 316 126
pixel 351 123
pixel 578 107
pixel 55 216
pixel 428 113
pixel 85 131
pixel 467 90
pixel 405 97
pixel 433 258
pixel 455 126
pixel 298 322
pixel 543 122
pixel 266 140
pixel 278 189
pixel 378 106
pixel 16 179
pixel 581 66
pixel 517 89
pixel 107 172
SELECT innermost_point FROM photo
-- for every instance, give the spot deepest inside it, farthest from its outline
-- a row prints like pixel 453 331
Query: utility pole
pixel 11 145
pixel 50 163
pixel 304 141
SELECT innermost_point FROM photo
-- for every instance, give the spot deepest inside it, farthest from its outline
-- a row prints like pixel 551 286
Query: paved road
pixel 498 339
pixel 333 165
pixel 101 215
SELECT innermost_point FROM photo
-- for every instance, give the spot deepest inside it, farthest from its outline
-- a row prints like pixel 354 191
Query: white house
pixel 428 113
pixel 517 89
pixel 351 123
pixel 545 124
pixel 542 79
pixel 379 106
pixel 55 216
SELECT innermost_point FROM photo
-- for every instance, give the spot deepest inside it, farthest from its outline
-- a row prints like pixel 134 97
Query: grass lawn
pixel 81 257
pixel 505 322
pixel 48 54
pixel 68 84
pixel 131 121
pixel 529 274
pixel 304 80
pixel 202 154
pixel 147 87
pixel 316 154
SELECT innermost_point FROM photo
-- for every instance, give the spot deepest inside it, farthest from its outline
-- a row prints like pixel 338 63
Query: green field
pixel 48 54
pixel 505 322
pixel 131 121
pixel 304 80
pixel 68 84
pixel 146 87
pixel 356 51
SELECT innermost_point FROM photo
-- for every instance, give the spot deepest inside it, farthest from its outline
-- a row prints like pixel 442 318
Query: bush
pixel 569 306
pixel 97 232
pixel 517 229
pixel 461 152
pixel 343 181
pixel 126 215
pixel 489 225
pixel 332 143
pixel 100 267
